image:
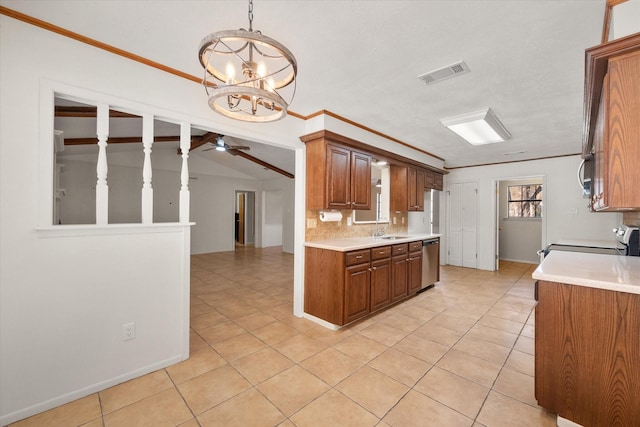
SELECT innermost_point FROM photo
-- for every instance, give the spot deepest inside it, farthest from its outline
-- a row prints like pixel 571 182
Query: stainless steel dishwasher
pixel 430 263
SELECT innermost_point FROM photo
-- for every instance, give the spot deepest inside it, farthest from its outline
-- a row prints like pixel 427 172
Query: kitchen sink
pixel 393 237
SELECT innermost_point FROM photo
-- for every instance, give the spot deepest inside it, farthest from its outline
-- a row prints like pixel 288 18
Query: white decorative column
pixel 185 145
pixel 102 189
pixel 147 190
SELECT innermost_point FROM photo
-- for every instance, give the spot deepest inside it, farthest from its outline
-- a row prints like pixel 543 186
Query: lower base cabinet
pixel 587 354
pixel 357 291
pixel 341 287
pixel 380 278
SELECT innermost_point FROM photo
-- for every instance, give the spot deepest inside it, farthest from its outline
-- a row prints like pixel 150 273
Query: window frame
pixel 537 201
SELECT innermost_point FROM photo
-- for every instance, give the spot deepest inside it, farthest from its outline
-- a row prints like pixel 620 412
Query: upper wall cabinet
pixel 433 181
pixel 407 188
pixel 612 123
pixel 337 176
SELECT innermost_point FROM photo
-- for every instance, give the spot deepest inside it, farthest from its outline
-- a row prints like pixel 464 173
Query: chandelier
pixel 245 72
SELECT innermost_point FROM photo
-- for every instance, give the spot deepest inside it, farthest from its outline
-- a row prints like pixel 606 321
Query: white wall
pixel 520 238
pixel 562 194
pixel 420 222
pixel 64 298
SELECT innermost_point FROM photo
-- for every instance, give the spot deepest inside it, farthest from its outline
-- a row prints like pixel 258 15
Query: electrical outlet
pixel 312 223
pixel 128 331
pixel 394 220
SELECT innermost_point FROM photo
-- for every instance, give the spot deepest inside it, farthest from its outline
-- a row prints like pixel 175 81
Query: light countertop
pixel 355 243
pixel 610 272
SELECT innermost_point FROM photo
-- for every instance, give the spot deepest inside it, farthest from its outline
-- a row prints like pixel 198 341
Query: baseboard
pixel 83 392
pixel 320 322
pixel 520 261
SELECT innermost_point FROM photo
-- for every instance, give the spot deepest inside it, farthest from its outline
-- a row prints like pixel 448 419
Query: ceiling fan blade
pixel 238 147
pixel 208 149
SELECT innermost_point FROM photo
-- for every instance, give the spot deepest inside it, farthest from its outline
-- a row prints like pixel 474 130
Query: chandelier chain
pixel 250 15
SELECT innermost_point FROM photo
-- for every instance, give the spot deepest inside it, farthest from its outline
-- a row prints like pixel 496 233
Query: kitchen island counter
pixel 355 243
pixel 610 272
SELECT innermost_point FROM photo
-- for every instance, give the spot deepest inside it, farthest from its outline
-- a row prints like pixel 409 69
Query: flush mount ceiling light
pixel 478 127
pixel 244 72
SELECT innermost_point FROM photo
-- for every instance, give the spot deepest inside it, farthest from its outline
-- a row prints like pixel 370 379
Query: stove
pixel 628 236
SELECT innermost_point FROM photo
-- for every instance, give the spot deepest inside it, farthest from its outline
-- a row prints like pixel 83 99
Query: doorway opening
pixel 245 218
pixel 520 219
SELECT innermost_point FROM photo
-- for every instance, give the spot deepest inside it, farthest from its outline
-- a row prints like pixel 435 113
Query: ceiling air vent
pixel 444 73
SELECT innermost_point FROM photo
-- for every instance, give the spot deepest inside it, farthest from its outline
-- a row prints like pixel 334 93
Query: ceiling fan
pixel 220 145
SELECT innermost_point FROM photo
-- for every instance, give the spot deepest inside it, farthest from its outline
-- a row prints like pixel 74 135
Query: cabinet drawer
pixel 381 253
pixel 415 246
pixel 400 249
pixel 358 257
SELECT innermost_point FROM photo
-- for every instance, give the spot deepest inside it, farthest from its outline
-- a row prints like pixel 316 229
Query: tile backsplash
pixel 340 229
pixel 631 218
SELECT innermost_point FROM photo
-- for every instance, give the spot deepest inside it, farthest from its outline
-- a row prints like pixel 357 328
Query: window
pixel 525 201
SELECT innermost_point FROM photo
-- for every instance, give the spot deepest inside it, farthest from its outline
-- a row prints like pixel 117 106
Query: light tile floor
pixel 460 354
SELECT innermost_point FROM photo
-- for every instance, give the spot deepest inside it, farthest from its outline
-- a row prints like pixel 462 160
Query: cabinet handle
pixel 358 256
pixel 374 268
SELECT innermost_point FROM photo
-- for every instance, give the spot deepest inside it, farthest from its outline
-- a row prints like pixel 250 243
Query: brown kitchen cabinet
pixel 407 188
pixel 341 287
pixel 338 177
pixel 356 291
pixel 587 354
pixel 399 268
pixel 380 277
pixel 612 126
pixel 414 268
pixel 433 181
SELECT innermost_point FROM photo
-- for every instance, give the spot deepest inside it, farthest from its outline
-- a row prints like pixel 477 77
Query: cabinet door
pixel 380 284
pixel 412 190
pixel 429 180
pixel 414 272
pixel 438 182
pixel 356 292
pixel 338 179
pixel 420 190
pixel 360 181
pixel 398 277
pixel 587 358
pixel 622 142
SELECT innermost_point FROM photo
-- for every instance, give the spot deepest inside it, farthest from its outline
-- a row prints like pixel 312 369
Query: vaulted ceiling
pixel 360 59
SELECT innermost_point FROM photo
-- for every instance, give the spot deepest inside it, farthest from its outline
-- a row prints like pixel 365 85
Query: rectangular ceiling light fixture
pixel 478 128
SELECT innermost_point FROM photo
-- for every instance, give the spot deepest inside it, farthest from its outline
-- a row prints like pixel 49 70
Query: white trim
pixel 563 422
pixel 321 322
pixel 111 229
pixel 86 391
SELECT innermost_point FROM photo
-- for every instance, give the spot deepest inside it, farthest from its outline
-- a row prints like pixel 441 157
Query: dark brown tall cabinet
pixel 612 128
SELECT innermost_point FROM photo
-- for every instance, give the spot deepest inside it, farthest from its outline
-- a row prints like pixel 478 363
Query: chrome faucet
pixel 378 231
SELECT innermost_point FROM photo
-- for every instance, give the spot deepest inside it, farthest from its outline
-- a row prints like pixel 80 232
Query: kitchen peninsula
pixel 348 279
pixel 587 340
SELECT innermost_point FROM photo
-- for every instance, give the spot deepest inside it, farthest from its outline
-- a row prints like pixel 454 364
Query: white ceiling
pixel 360 59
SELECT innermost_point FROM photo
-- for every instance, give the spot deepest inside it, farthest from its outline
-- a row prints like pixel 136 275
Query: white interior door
pixel 463 202
pixel 469 221
pixel 455 224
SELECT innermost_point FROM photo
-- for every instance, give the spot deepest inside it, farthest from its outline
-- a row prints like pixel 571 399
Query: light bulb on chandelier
pixel 268 74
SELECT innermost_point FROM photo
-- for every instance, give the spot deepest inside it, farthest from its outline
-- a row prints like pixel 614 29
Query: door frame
pixel 249 215
pixel 496 216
